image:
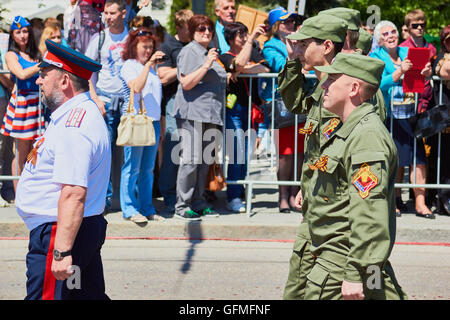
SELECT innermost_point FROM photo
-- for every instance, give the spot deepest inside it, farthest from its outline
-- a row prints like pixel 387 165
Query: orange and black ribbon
pixel 32 156
pixel 306 131
pixel 320 164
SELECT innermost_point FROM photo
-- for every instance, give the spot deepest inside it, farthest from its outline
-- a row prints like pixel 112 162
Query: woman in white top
pixel 138 72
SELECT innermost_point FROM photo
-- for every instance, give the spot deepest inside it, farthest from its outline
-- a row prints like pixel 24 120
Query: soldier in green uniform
pixel 351 214
pixel 318 42
pixel 364 44
pixel 353 19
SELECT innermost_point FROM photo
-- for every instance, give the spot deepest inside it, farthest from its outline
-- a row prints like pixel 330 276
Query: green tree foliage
pixel 312 7
pixel 437 11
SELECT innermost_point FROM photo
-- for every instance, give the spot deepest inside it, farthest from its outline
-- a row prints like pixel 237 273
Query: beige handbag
pixel 135 130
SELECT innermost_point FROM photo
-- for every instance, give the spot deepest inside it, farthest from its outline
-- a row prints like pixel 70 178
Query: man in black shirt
pixel 167 72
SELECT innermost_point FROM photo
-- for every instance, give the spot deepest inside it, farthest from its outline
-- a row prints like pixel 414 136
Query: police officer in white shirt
pixel 61 192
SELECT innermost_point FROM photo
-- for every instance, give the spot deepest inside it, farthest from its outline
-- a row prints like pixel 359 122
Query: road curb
pixel 214 230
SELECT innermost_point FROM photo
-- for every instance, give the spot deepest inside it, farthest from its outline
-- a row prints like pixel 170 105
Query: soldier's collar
pixel 66 106
pixel 354 118
pixel 317 91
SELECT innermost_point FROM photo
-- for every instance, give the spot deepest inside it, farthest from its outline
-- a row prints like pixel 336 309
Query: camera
pixel 162 59
pixel 266 28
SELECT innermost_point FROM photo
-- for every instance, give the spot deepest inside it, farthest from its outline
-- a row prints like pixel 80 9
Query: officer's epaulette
pixel 75 117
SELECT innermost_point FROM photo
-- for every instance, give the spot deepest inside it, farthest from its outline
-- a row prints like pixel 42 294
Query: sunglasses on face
pixel 144 33
pixel 290 21
pixel 387 33
pixel 417 25
pixel 242 34
pixel 203 29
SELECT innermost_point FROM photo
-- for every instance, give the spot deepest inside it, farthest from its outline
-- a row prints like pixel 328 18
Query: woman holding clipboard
pixel 400 108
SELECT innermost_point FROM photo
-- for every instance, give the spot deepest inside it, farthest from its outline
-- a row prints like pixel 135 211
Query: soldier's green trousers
pixel 318 279
pixel 300 265
pixel 324 282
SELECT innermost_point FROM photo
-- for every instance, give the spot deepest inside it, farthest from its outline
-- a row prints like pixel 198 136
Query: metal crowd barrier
pixel 248 181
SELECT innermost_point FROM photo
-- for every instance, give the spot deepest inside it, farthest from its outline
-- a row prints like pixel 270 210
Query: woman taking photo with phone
pixel 138 72
pixel 198 107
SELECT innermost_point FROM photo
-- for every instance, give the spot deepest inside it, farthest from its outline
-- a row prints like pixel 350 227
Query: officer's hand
pixel 352 290
pixel 292 49
pixel 299 200
pixel 62 269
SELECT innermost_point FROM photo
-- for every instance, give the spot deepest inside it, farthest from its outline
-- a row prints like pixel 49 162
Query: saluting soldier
pixel 353 19
pixel 352 205
pixel 317 43
pixel 62 190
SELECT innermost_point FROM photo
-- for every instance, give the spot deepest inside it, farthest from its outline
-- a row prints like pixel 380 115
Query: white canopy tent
pixel 32 8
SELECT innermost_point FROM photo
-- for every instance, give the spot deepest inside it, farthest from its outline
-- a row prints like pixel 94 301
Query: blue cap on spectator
pixel 19 22
pixel 279 14
pixel 70 60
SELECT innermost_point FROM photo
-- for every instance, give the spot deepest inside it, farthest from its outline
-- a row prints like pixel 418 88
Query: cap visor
pixel 327 69
pixel 44 64
pixel 298 36
pixel 287 15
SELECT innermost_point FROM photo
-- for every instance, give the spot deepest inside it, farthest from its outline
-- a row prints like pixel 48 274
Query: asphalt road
pixel 219 270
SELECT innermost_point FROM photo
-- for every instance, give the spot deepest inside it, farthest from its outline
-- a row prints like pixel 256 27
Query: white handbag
pixel 135 130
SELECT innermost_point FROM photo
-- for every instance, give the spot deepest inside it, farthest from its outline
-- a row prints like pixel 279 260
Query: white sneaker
pixel 3 203
pixel 236 205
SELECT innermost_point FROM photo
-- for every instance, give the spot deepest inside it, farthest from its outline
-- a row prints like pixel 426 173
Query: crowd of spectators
pixel 184 81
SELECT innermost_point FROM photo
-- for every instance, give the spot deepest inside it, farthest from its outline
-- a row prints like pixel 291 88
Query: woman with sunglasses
pixel 138 72
pixel 22 119
pixel 401 108
pixel 198 107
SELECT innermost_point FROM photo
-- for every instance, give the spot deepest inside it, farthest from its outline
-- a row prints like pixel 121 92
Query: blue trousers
pixel 237 120
pixel 113 105
pixel 42 285
pixel 137 170
pixel 169 169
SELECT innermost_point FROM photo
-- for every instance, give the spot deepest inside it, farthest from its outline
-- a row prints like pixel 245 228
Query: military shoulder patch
pixel 329 129
pixel 364 180
pixel 75 118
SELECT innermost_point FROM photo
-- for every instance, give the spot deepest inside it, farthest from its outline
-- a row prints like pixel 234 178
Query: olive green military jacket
pixel 351 211
pixel 319 124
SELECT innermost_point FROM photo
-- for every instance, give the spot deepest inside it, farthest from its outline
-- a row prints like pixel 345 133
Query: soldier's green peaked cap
pixel 351 16
pixel 322 27
pixel 357 66
pixel 364 41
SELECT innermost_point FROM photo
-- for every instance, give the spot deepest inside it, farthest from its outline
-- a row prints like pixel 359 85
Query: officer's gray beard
pixel 54 100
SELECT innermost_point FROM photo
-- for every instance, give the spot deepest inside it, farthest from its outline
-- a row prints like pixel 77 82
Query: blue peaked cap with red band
pixel 68 59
